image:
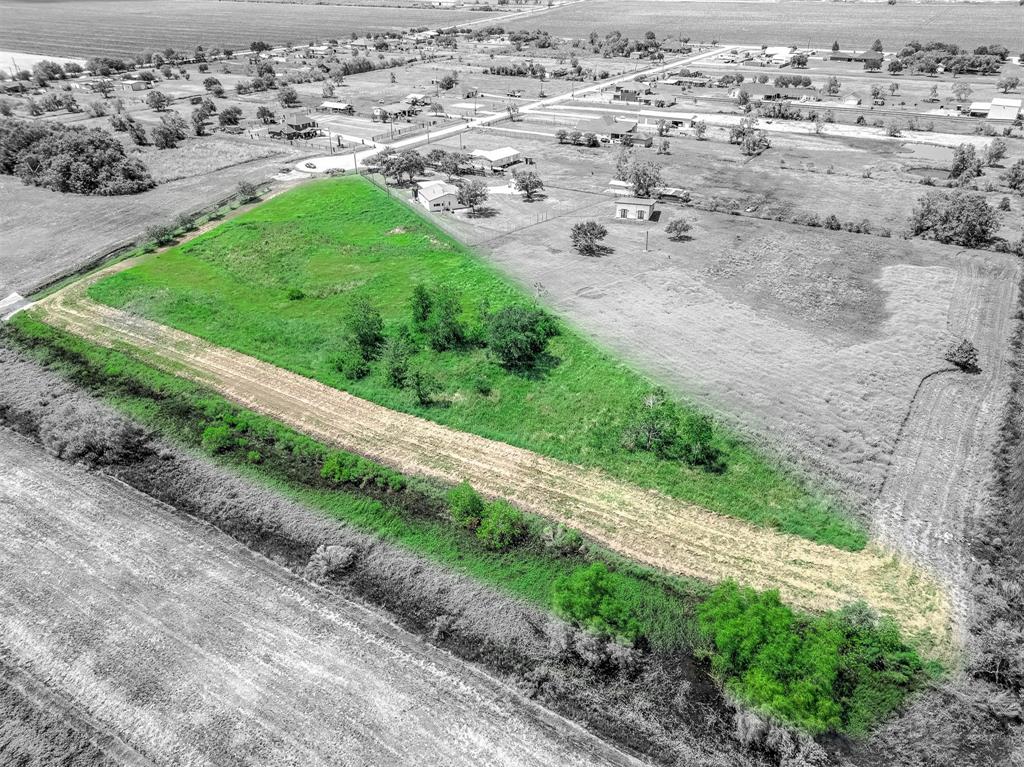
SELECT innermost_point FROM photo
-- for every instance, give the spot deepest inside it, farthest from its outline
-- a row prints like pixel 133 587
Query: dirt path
pixel 195 652
pixel 641 524
pixel 942 460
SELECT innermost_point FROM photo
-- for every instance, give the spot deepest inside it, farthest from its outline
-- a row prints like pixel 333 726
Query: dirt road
pixel 641 524
pixel 187 649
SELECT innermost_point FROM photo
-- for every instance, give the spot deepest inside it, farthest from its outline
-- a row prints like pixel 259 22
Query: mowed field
pixel 796 22
pixel 123 27
pixel 178 644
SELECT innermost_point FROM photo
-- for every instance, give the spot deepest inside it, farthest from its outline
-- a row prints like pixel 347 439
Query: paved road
pixel 351 160
pixel 183 647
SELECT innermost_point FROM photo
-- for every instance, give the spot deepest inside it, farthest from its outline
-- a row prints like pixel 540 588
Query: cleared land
pixel 641 524
pixel 241 662
pixel 124 27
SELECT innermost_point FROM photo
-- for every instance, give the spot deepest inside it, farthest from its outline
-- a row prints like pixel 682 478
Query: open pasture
pixel 86 28
pixel 796 22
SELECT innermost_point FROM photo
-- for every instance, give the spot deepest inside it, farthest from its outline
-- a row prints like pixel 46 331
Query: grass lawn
pixel 334 240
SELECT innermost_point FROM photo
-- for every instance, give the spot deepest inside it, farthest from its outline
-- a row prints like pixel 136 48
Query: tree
pixel 835 46
pixel 700 130
pixel 877 46
pixel 960 218
pixel 247 191
pixel 964 355
pixel 157 100
pixel 751 139
pixel 444 328
pixel 895 66
pixel 962 91
pixel 518 335
pixel 995 151
pixel 472 194
pixel 966 164
pixel 210 83
pixel 259 46
pixel 586 237
pixel 561 135
pixel 424 385
pixel 644 177
pixel 448 81
pixel 171 130
pixel 933 94
pixel 833 86
pixel 420 305
pixel 465 506
pixel 229 116
pixel 1015 177
pixel 678 229
pixel 264 114
pixel 652 424
pixel 364 327
pixel 450 163
pixel 1007 84
pixel 502 526
pixel 198 120
pixel 288 97
pixel 527 182
pixel 136 132
pixel 398 351
pixel 105 87
pixel 513 112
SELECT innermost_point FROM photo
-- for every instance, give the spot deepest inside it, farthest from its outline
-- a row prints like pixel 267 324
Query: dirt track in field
pixel 943 457
pixel 641 524
pixel 176 645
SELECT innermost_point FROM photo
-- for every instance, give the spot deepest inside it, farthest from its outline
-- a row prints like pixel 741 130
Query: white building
pixel 437 195
pixel 634 208
pixel 337 107
pixel 498 158
pixel 1004 109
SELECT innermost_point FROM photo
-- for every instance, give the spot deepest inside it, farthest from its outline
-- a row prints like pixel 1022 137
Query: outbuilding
pixel 336 107
pixel 634 208
pixel 1004 109
pixel 392 112
pixel 437 195
pixel 498 158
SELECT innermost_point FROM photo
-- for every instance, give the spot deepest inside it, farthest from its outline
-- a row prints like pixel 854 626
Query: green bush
pixel 518 335
pixel 219 438
pixel 827 673
pixel 502 526
pixel 343 468
pixel 590 597
pixel 465 506
pixel 351 363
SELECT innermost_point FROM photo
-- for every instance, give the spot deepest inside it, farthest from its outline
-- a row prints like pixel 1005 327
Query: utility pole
pixel 647 240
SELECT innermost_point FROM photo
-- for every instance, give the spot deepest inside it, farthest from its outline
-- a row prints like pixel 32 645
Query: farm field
pixel 573 409
pixel 797 22
pixel 124 27
pixel 243 662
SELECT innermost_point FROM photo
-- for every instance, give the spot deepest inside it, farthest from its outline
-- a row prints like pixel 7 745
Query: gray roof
pixel 646 201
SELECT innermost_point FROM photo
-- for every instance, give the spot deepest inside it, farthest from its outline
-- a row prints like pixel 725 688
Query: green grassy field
pixel 335 240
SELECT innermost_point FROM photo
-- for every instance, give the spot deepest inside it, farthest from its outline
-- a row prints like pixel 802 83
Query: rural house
pixel 634 208
pixel 437 195
pixel 391 112
pixel 337 107
pixel 296 126
pixel 630 92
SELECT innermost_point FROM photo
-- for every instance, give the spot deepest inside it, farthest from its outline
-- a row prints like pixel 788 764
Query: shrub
pixel 960 218
pixel 677 229
pixel 589 597
pixel 699 450
pixel 341 468
pixel 351 363
pixel 502 526
pixel 295 294
pixel 444 327
pixel 420 305
pixel 518 335
pixel 465 506
pixel 834 672
pixel 653 424
pixel 586 237
pixel 219 438
pixel 398 350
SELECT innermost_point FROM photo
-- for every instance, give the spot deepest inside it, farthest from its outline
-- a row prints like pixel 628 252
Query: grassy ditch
pixel 282 283
pixel 838 672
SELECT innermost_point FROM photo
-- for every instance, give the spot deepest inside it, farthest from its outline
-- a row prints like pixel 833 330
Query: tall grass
pixel 332 241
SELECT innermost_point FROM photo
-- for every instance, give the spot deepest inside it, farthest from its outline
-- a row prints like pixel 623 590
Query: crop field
pixel 797 22
pixel 123 27
pixel 243 662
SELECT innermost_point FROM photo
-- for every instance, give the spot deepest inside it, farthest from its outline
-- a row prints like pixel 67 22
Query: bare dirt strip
pixel 641 524
pixel 943 458
pixel 182 647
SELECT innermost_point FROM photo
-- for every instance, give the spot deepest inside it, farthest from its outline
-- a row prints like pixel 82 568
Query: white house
pixel 338 107
pixel 437 195
pixel 498 158
pixel 635 208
